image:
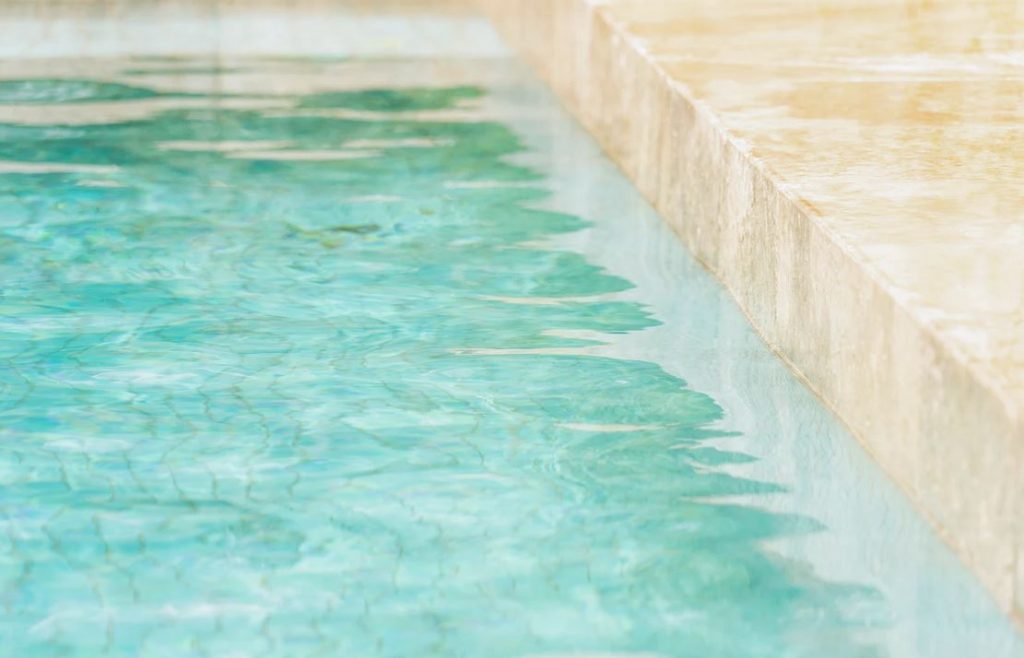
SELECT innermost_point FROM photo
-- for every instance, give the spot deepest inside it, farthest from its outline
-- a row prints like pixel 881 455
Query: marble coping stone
pixel 853 171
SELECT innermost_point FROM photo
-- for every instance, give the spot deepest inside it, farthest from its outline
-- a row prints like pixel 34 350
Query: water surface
pixel 318 371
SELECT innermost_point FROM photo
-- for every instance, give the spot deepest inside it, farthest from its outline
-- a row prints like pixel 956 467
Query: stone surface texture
pixel 852 171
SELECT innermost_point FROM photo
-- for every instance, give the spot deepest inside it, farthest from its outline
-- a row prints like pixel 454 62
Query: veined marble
pixel 851 169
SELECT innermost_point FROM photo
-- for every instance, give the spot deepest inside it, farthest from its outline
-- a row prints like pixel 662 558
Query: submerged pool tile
pixel 246 412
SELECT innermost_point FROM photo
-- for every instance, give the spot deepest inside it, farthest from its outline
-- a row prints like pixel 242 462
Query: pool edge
pixel 907 396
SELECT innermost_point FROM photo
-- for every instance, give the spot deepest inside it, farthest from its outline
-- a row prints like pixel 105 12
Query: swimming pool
pixel 366 357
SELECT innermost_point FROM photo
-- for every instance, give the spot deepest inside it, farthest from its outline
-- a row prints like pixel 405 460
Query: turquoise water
pixel 317 382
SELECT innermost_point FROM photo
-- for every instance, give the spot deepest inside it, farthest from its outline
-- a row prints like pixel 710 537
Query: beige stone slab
pixel 853 171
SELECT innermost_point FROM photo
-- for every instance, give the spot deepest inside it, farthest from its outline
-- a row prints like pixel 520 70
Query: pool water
pixel 321 368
